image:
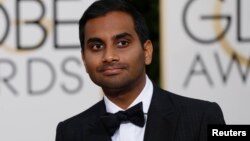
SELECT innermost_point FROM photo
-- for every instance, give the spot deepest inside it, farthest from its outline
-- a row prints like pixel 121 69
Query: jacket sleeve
pixel 59 133
pixel 212 115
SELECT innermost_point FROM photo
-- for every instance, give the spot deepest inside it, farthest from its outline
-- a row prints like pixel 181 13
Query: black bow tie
pixel 134 114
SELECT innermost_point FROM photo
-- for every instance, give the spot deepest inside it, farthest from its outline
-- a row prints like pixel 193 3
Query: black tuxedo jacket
pixel 170 118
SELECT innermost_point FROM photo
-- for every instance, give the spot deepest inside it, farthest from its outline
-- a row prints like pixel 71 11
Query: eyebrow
pixel 121 35
pixel 115 37
pixel 94 39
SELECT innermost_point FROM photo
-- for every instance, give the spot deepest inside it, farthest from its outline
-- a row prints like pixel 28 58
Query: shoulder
pixel 193 108
pixel 84 117
pixel 78 124
pixel 183 102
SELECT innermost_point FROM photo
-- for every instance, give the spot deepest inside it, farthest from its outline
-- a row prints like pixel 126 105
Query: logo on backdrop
pixel 24 37
pixel 232 33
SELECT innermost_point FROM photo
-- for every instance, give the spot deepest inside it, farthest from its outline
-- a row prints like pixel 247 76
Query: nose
pixel 110 55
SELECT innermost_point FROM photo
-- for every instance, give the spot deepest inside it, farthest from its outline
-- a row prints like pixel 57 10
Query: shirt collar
pixel 145 97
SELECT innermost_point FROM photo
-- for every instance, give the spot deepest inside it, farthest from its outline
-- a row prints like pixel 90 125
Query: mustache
pixel 111 66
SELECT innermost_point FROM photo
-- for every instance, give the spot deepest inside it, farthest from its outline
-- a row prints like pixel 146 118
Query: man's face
pixel 113 55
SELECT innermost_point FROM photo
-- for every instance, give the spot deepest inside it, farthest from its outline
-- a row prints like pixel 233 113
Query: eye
pixel 96 46
pixel 123 43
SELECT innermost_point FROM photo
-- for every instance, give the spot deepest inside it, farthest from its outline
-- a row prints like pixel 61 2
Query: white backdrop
pixel 206 51
pixel 42 78
pixel 43 81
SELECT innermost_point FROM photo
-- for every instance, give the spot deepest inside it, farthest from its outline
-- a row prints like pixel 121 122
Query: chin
pixel 119 85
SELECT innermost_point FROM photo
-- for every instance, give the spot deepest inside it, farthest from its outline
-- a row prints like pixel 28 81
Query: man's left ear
pixel 148 51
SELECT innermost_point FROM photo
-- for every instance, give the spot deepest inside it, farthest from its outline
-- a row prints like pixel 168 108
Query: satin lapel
pixel 162 118
pixel 96 130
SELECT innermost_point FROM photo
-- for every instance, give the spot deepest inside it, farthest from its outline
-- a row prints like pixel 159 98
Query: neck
pixel 124 97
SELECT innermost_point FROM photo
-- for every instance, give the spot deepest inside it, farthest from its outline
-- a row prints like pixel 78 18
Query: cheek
pixel 136 59
pixel 90 63
pixel 90 66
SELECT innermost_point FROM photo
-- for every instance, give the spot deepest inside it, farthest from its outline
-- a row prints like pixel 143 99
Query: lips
pixel 109 70
pixel 112 71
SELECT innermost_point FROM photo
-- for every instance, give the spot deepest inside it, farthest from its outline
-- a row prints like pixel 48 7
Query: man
pixel 115 49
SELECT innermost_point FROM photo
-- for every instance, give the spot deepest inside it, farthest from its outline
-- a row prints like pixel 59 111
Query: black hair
pixel 102 7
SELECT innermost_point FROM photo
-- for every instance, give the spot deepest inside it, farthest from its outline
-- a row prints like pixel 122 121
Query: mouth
pixel 110 70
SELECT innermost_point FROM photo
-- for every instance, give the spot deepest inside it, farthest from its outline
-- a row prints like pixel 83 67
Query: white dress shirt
pixel 129 131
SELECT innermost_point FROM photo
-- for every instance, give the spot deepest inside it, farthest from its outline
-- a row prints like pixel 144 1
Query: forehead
pixel 111 23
